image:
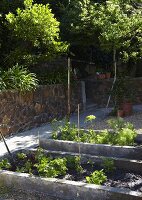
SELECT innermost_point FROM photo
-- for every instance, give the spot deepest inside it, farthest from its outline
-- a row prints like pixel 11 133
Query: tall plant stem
pixel 78 125
pixel 7 148
pixel 115 75
pixel 69 68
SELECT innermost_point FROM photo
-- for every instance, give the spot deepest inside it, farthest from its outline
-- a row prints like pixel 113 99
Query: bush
pixel 18 78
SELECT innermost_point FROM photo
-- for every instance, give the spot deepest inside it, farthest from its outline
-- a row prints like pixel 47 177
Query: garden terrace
pixel 60 188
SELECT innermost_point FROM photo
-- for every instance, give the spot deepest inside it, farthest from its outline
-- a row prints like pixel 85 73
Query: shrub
pixel 18 78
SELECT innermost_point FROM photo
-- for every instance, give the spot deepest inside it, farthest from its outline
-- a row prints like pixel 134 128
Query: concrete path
pixel 30 138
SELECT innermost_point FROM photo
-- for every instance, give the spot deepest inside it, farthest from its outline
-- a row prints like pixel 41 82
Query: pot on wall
pixel 108 75
pixel 127 108
pixel 120 113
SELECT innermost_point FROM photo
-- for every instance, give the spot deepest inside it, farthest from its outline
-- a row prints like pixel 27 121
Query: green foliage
pixel 59 76
pixel 5 164
pixel 113 25
pixel 90 120
pixel 123 90
pixel 118 124
pixel 37 30
pixel 74 163
pixel 122 133
pixel 26 168
pixel 18 78
pixel 64 130
pixel 48 167
pixel 51 168
pixel 108 165
pixel 97 177
pixel 21 156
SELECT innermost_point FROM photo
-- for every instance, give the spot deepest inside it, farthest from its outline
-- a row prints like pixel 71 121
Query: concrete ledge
pixel 66 190
pixel 129 152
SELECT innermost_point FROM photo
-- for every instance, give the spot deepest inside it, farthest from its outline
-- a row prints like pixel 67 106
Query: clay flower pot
pixel 101 76
pixel 120 113
pixel 108 75
pixel 127 108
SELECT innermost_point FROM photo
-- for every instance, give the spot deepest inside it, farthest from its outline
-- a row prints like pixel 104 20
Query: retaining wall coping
pixel 66 189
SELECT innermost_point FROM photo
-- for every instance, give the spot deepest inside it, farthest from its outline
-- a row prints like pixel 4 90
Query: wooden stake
pixel 69 67
pixel 79 126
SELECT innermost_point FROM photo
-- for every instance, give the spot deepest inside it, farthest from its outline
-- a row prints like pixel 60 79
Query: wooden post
pixel 115 75
pixel 69 89
pixel 78 125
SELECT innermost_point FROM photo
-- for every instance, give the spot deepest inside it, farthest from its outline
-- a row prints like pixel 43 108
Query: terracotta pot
pixel 101 76
pixel 108 75
pixel 127 108
pixel 120 113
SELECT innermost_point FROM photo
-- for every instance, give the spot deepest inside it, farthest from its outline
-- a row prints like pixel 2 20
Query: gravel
pixel 135 119
pixel 23 195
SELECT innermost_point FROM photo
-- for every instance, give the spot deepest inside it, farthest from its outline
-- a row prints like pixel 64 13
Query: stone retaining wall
pixel 23 111
pixel 98 90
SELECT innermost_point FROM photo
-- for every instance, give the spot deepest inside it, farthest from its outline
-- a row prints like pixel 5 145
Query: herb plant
pixel 108 165
pixel 74 163
pixel 5 164
pixel 122 133
pixel 97 177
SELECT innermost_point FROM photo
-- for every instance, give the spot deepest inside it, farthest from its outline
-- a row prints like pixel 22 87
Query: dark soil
pixel 117 178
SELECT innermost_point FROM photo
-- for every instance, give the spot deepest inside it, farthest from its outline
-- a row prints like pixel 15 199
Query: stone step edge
pixel 65 189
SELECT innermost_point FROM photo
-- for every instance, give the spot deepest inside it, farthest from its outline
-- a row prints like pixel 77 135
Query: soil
pixel 117 178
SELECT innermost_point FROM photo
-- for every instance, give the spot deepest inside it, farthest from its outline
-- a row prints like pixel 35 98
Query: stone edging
pixel 64 189
pixel 129 152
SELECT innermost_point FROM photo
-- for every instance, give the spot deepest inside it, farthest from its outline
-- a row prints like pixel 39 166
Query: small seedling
pixel 108 165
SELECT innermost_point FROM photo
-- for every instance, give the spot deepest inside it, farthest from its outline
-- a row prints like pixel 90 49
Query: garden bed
pixel 119 142
pixel 68 171
pixel 129 152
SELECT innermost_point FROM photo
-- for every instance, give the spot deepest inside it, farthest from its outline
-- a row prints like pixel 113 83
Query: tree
pixel 115 25
pixel 37 30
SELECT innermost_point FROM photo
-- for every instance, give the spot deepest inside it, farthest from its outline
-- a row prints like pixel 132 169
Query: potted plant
pixel 108 75
pixel 100 74
pixel 122 95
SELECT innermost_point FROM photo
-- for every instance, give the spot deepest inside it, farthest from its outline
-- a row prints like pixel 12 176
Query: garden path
pixel 30 138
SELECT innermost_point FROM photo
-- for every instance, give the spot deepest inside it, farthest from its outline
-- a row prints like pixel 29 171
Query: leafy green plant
pixel 5 164
pixel 97 177
pixel 64 130
pixel 122 133
pixel 126 136
pixel 20 78
pixel 37 28
pixel 90 119
pixel 21 156
pixel 108 165
pixel 59 76
pixel 26 168
pixel 74 163
pixel 51 168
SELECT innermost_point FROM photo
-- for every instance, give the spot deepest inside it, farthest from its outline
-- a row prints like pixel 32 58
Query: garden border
pixel 67 190
pixel 129 152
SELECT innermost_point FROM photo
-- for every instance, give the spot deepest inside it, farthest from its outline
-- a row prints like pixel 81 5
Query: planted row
pixel 122 133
